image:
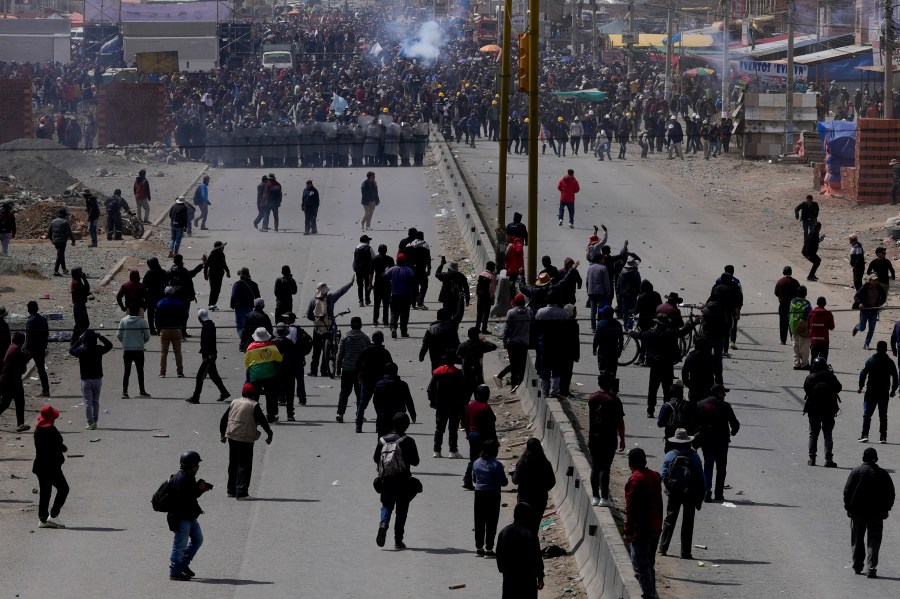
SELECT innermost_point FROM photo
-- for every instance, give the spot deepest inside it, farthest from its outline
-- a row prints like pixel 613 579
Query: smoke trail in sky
pixel 425 45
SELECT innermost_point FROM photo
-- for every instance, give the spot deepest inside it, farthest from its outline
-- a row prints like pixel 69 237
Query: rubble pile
pixel 33 221
pixel 156 153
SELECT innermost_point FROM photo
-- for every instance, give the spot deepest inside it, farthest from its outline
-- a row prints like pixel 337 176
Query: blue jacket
pixel 488 475
pixel 403 280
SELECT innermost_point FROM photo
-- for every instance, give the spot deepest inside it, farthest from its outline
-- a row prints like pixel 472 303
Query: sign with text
pixel 764 68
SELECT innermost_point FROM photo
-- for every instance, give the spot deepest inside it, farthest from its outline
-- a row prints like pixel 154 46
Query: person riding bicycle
pixel 321 313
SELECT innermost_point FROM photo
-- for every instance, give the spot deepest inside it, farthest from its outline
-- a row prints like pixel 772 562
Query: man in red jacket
pixel 568 187
pixel 820 322
pixel 643 519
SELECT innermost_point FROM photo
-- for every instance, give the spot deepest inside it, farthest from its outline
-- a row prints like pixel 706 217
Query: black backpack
pixel 677 418
pixel 304 342
pixel 678 477
pixel 164 498
pixel 362 259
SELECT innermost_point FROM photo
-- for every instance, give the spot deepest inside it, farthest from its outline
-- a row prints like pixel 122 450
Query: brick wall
pixel 877 141
pixel 131 113
pixel 16 119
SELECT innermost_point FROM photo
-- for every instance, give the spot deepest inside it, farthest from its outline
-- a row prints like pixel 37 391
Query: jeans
pixel 273 210
pixel 715 455
pixel 518 354
pixel 869 404
pixel 519 586
pixel 183 552
pixel 676 503
pixel 240 467
pixel 570 206
pixel 643 561
pixel 870 316
pixel 349 382
pixel 4 243
pixel 14 392
pixel 90 389
pixel 601 466
pixel 866 547
pixel 391 498
pixel 92 230
pixel 175 242
pixel 239 315
pixel 170 337
pixel 382 302
pixel 826 426
pixel 366 390
pixel 476 440
pixel 46 481
pixel 60 256
pixel 40 358
pixel 487 513
pixel 596 301
pixel 261 212
pixel 208 367
pixel 309 221
pixel 204 213
pixel 445 418
pixel 136 357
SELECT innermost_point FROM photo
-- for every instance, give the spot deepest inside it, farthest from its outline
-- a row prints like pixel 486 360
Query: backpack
pixel 484 286
pixel 362 259
pixel 677 419
pixel 821 402
pixel 797 322
pixel 163 500
pixel 391 462
pixel 678 477
pixel 304 342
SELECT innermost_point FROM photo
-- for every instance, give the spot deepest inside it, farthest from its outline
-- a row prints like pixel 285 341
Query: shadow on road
pixel 444 551
pixel 231 581
pixel 740 562
pixel 706 582
pixel 95 529
pixel 285 500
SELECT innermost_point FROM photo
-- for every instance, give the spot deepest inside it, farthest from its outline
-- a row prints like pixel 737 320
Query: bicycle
pixel 686 343
pixel 330 350
pixel 631 346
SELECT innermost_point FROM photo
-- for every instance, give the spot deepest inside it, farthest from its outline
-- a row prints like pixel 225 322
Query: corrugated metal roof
pixel 800 41
pixel 831 54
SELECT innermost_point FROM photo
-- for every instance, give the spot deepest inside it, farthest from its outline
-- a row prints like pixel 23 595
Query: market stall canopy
pixel 646 40
pixel 489 48
pixel 587 95
pixel 76 19
pixel 698 72
pixel 877 69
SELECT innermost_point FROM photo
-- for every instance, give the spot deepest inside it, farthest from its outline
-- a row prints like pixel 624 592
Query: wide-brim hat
pixel 681 436
pixel 179 200
pixel 631 264
pixel 543 279
pixel 261 334
pixel 674 296
pixel 47 417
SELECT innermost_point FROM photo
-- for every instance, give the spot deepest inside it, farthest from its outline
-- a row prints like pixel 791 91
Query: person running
pixel 868 299
pixel 208 354
pixel 519 556
pixel 185 489
pixel 49 456
pixel 398 487
pixel 214 269
pixel 881 373
pixel 133 333
pixel 90 364
pixel 882 267
pixel 488 477
pixel 807 212
pixel 238 426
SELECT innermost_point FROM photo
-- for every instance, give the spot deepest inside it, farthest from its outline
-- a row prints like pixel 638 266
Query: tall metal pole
pixel 631 36
pixel 534 125
pixel 574 27
pixel 594 49
pixel 789 97
pixel 889 59
pixel 726 15
pixel 504 115
pixel 669 52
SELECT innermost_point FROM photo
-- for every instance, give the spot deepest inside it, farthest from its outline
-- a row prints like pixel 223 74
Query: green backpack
pixel 798 314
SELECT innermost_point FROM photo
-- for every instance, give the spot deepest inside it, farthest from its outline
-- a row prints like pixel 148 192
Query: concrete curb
pixel 159 219
pixel 596 542
pixel 113 271
pixel 473 230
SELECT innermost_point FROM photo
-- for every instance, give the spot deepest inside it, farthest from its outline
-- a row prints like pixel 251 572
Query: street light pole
pixel 669 52
pixel 789 97
pixel 725 67
pixel 888 59
pixel 505 75
pixel 534 126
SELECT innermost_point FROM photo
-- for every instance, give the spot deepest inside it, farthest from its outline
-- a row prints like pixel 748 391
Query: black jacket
pixel 391 397
pixel 155 280
pixel 285 289
pixel 807 211
pixel 407 447
pixel 371 362
pixel 37 333
pixel 48 450
pixel 216 264
pixel 208 337
pixel 243 292
pixel 698 373
pixel 869 492
pixel 254 320
pixel 442 336
pixel 90 351
pixel 822 402
pixel 717 422
pixel 608 338
pixel 519 555
pixel 471 354
pixel 448 389
pixel 186 492
pixel 182 280
pixel 661 343
pixel 178 215
pixel 882 374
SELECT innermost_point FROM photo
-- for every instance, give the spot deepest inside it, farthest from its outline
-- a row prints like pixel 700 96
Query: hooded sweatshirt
pixel 155 281
pixel 90 354
pixel 133 333
pixel 133 292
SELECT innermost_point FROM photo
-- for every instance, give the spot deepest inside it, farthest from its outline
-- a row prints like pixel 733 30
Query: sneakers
pixel 571 225
pixel 291 419
pixel 192 400
pixel 187 571
pixel 479 552
pixel 52 523
pixel 22 428
pixel 455 455
pixel 213 308
pixel 399 545
pixel 830 464
pixel 863 439
pixel 872 574
pixel 733 345
pixel 244 498
pixel 382 533
pixel 883 441
pixel 489 553
pixel 437 455
pixel 144 394
pixel 497 380
pixel 595 501
pixel 179 576
pixel 124 395
pixel 605 503
pixel 854 331
pixel 339 418
pixel 224 396
pixel 560 222
pixel 811 462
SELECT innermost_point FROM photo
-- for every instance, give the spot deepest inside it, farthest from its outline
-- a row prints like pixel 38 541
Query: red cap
pixel 519 300
pixel 248 390
pixel 401 257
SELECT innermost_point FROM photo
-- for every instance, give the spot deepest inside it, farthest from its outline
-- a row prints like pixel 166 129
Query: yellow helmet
pixel 559 119
pixel 467 85
pixel 458 93
pixel 440 86
pixel 496 95
pixel 440 94
pixel 384 110
pixel 494 102
pixel 526 119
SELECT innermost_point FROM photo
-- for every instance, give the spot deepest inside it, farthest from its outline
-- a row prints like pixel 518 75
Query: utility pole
pixel 888 59
pixel 594 49
pixel 574 28
pixel 726 15
pixel 534 127
pixel 504 115
pixel 789 97
pixel 631 37
pixel 669 52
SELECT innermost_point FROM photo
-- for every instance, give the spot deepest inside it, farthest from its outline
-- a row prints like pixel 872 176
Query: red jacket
pixel 820 322
pixel 568 187
pixel 643 504
pixel 480 418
